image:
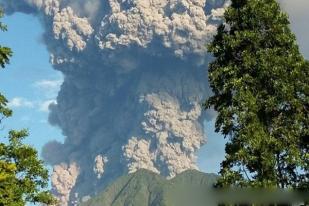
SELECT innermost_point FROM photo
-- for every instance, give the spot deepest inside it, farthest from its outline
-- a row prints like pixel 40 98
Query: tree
pixel 22 175
pixel 260 84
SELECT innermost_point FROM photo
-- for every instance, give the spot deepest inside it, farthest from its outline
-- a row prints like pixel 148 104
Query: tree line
pixel 260 84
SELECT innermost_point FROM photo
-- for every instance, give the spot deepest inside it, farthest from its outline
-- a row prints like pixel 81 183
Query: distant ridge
pixel 145 188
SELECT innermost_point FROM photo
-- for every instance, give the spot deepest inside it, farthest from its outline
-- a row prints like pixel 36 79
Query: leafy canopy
pixel 23 177
pixel 260 84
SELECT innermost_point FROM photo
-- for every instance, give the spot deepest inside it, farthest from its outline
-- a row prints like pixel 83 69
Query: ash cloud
pixel 99 165
pixel 64 178
pixel 175 135
pixel 135 74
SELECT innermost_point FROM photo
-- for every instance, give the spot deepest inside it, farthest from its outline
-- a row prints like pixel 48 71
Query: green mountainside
pixel 144 188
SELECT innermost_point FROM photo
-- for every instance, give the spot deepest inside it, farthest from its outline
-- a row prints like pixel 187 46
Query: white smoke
pixel 98 168
pixel 67 26
pixel 36 3
pixel 63 179
pixel 179 24
pixel 175 137
pixel 138 154
pixel 135 73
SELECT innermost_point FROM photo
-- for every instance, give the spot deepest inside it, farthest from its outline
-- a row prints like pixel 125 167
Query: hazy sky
pixel 30 83
pixel 299 16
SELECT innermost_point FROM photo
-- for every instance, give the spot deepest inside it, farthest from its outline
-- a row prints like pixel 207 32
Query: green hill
pixel 145 188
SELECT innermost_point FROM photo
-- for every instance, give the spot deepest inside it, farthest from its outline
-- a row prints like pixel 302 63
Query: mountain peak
pixel 145 188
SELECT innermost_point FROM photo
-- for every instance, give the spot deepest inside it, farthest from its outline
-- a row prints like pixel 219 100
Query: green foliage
pixel 5 52
pixel 260 83
pixel 22 175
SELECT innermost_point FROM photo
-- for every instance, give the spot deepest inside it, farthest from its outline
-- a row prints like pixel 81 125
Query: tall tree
pixel 260 85
pixel 23 177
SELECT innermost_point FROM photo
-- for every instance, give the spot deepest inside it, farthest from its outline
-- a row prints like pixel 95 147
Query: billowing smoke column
pixel 135 75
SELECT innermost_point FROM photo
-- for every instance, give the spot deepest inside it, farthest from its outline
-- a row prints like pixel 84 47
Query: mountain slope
pixel 145 188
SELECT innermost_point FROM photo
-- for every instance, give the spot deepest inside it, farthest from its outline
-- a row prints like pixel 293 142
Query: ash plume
pixel 63 179
pixel 135 73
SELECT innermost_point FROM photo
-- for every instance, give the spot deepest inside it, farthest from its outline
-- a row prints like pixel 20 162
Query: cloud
pixel 44 106
pixel 19 102
pixel 50 88
pixel 174 136
pixel 41 106
pixel 48 84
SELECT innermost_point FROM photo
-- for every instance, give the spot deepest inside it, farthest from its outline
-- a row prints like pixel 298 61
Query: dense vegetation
pixel 22 175
pixel 260 85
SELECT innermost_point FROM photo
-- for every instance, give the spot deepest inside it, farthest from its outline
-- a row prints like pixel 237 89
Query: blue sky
pixel 30 83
